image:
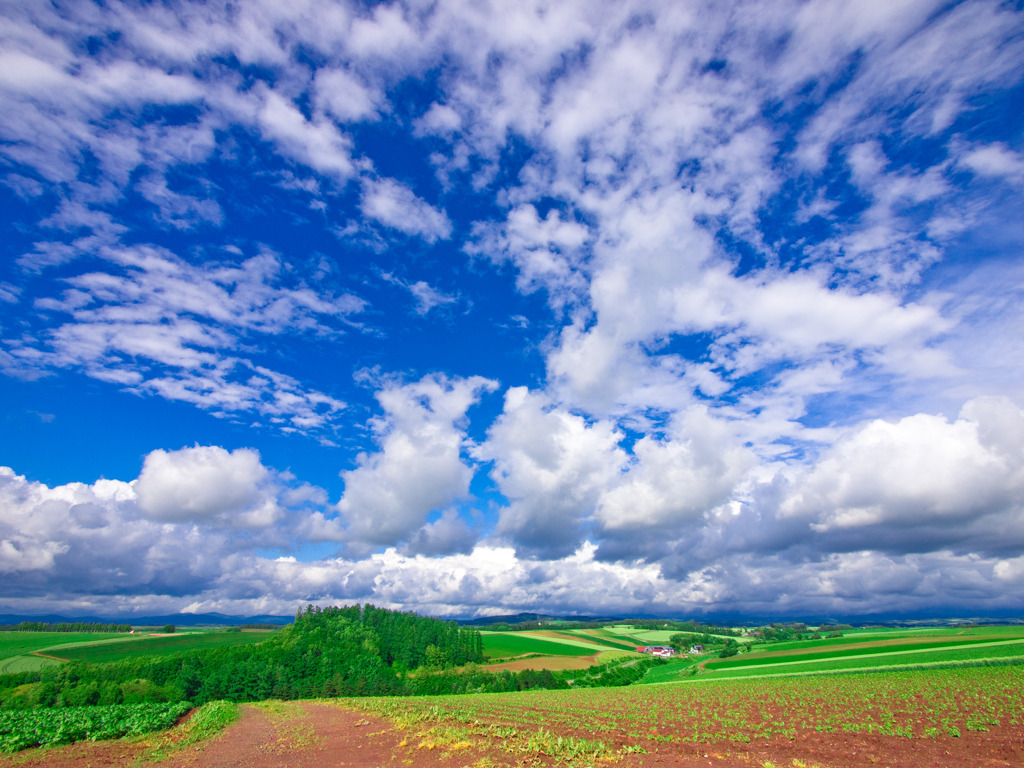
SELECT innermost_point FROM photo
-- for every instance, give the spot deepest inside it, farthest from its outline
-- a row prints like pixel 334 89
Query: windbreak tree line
pixel 783 633
pixel 71 626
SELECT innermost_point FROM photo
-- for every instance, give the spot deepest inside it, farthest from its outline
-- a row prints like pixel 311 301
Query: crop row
pixel 929 704
pixel 837 653
pixel 1006 652
pixel 49 727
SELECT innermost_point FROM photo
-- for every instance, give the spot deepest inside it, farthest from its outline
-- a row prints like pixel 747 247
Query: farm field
pixel 942 717
pixel 950 718
pixel 864 699
pixel 886 649
pixel 162 645
pixel 18 650
pixel 501 645
pixel 556 643
pixel 856 650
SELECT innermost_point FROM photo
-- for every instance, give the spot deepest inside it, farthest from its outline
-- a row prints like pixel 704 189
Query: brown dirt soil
pixel 326 735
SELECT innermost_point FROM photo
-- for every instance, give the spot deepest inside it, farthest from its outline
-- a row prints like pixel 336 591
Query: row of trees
pixel 692 627
pixel 72 626
pixel 783 633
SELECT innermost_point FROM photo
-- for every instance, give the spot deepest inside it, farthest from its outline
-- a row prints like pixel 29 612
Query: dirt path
pixel 298 735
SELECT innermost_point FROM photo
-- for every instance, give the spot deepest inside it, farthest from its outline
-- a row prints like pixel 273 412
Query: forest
pixel 350 651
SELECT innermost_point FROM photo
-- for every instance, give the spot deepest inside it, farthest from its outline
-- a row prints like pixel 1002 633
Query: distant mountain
pixel 721 619
pixel 177 619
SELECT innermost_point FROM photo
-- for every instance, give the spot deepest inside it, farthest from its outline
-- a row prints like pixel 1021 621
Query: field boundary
pixel 859 656
pixel 922 667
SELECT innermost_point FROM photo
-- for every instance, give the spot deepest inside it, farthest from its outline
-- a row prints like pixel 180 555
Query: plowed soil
pixel 321 735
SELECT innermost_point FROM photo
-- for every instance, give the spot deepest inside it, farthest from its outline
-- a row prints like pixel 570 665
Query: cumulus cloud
pixel 421 465
pixel 170 532
pixel 672 483
pixel 552 467
pixel 921 483
pixel 207 484
pixel 448 535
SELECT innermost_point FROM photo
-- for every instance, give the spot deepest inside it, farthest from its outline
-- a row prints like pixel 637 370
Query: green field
pixel 160 646
pixel 16 647
pixel 873 650
pixel 607 638
pixel 1001 653
pixel 840 651
pixel 500 645
pixel 18 643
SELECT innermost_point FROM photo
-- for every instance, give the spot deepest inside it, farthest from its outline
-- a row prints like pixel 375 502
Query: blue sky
pixel 463 308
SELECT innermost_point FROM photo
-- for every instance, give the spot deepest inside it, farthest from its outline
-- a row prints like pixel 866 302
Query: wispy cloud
pixel 162 325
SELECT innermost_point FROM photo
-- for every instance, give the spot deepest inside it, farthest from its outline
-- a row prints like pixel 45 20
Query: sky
pixel 468 307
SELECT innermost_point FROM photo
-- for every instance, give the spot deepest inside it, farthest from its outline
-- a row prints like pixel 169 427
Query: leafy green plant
pixel 50 727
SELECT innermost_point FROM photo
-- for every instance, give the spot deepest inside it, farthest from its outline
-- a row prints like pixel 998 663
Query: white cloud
pixel 995 160
pixel 439 120
pixel 420 466
pixel 922 481
pixel 427 297
pixel 344 96
pixel 547 252
pixel 448 535
pixel 672 483
pixel 395 205
pixel 318 142
pixel 552 467
pixel 159 308
pixel 207 484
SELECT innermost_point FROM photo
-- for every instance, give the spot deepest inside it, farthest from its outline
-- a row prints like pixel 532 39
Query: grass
pixel 16 647
pixel 19 643
pixel 607 638
pixel 160 646
pixel 1005 653
pixel 206 723
pixel 785 657
pixel 499 645
pixel 16 664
